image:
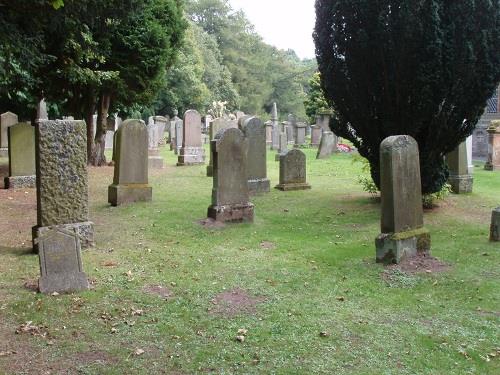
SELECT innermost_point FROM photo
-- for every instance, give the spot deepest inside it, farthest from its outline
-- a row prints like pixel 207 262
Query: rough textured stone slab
pixel 293 171
pixel 394 248
pixel 255 132
pixel 495 225
pixel 20 182
pixel 124 194
pixel 460 180
pixel 84 229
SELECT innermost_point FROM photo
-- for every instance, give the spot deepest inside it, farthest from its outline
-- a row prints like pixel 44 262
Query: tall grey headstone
pixel 402 224
pixel 293 171
pixel 192 151
pixel 327 145
pixel 41 111
pixel 7 119
pixel 269 133
pixel 215 127
pixel 61 178
pixel 255 132
pixel 299 134
pixel 179 136
pixel 276 128
pixel 130 180
pixel 155 160
pixel 316 133
pixel 163 124
pixel 283 146
pixel 22 169
pixel 323 120
pixel 61 269
pixel 495 225
pixel 230 196
pixel 460 180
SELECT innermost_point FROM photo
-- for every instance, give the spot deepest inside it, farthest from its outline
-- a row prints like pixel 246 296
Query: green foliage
pixel 422 68
pixel 364 179
pixel 315 101
pixel 429 200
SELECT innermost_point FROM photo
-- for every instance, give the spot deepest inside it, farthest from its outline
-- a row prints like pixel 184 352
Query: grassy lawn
pixel 169 296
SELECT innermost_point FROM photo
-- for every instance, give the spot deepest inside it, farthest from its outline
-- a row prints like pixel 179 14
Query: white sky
pixel 286 24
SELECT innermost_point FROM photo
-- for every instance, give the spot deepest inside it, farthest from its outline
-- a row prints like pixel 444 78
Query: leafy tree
pixel 422 68
pixel 315 101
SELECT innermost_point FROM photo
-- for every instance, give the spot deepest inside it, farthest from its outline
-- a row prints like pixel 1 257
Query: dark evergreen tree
pixel 424 68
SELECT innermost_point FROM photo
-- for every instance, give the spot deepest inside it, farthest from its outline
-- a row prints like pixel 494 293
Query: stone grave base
pixel 495 225
pixel 395 247
pixel 122 194
pixel 84 229
pixel 259 186
pixel 4 152
pixel 491 167
pixel 232 213
pixel 291 187
pixel 65 283
pixel 191 156
pixel 461 184
pixel 155 162
pixel 20 182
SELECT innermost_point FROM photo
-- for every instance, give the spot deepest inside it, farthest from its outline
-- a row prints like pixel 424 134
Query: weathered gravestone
pixel 327 146
pixel 61 178
pixel 460 179
pixel 300 134
pixel 493 163
pixel 41 111
pixel 192 152
pixel 275 136
pixel 290 128
pixel 22 169
pixel 323 120
pixel 215 127
pixel 179 136
pixel 255 132
pixel 7 119
pixel 269 133
pixel 293 171
pixel 495 225
pixel 283 146
pixel 316 133
pixel 230 196
pixel 403 234
pixel 155 160
pixel 130 181
pixel 61 269
pixel 171 138
pixel 163 124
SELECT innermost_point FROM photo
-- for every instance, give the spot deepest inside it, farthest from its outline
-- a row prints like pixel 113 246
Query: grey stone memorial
pixel 293 171
pixel 155 160
pixel 130 180
pixel 316 133
pixel 275 128
pixel 493 161
pixel 300 134
pixel 41 111
pixel 230 196
pixel 61 179
pixel 61 269
pixel 179 136
pixel 269 133
pixel 7 119
pixel 173 121
pixel 402 224
pixel 215 127
pixel 323 120
pixel 283 146
pixel 192 151
pixel 327 146
pixel 255 132
pixel 22 169
pixel 460 180
pixel 163 124
pixel 495 225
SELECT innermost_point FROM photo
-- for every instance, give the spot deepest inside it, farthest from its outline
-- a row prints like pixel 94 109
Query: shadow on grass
pixel 17 251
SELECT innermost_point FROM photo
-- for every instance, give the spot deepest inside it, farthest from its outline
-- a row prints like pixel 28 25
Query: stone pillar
pixel 22 169
pixel 300 134
pixel 179 136
pixel 255 133
pixel 316 133
pixel 403 234
pixel 323 120
pixel 275 128
pixel 61 179
pixel 163 124
pixel 7 119
pixel 327 146
pixel 269 134
pixel 192 152
pixel 173 121
pixel 493 163
pixel 230 196
pixel 290 128
pixel 155 160
pixel 41 111
pixel 460 180
pixel 470 164
pixel 293 171
pixel 130 180
pixel 215 127
pixel 495 225
pixel 283 146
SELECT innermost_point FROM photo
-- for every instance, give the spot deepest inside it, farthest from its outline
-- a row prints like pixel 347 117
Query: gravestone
pixel 470 164
pixel 255 132
pixel 155 160
pixel 7 119
pixel 22 169
pixel 293 171
pixel 275 136
pixel 323 120
pixel 61 269
pixel 495 225
pixel 460 179
pixel 327 145
pixel 316 132
pixel 230 196
pixel 173 121
pixel 61 178
pixel 300 134
pixel 493 163
pixel 179 135
pixel 269 133
pixel 192 152
pixel 290 128
pixel 163 124
pixel 402 225
pixel 110 136
pixel 130 180
pixel 41 111
pixel 283 146
pixel 215 127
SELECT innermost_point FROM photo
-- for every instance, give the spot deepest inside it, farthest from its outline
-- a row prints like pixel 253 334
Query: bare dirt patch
pixel 211 224
pixel 158 290
pixel 235 302
pixel 421 264
pixel 266 245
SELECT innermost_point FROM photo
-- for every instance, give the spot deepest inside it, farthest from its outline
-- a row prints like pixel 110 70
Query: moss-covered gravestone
pixel 61 179
pixel 61 268
pixel 293 171
pixel 460 180
pixel 21 157
pixel 230 197
pixel 255 132
pixel 495 225
pixel 403 233
pixel 130 180
pixel 192 151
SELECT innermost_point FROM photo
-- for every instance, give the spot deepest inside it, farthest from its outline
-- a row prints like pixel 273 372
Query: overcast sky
pixel 286 24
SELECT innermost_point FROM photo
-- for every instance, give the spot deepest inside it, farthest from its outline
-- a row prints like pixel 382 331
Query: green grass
pixel 430 323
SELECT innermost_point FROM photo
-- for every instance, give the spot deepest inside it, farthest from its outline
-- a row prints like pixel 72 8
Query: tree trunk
pixel 98 158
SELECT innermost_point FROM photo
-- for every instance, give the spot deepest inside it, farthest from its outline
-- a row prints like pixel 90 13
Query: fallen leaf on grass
pixel 240 338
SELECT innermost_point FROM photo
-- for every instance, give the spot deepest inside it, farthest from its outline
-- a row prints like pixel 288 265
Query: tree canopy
pixel 422 68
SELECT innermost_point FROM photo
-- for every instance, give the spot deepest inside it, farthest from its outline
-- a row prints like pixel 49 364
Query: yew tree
pixel 419 67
